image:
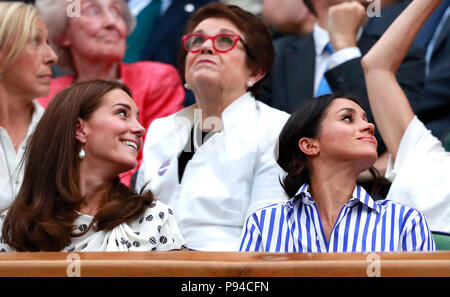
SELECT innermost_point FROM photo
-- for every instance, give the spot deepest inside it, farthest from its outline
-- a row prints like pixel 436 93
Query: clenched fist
pixel 344 21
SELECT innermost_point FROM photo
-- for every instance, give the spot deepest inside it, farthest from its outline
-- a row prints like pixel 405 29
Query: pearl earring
pixel 82 153
pixel 249 84
pixel 186 86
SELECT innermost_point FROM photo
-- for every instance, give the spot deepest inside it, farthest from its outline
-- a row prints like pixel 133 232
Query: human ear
pixel 255 76
pixel 80 132
pixel 309 146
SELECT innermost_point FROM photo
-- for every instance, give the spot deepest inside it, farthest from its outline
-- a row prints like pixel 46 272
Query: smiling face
pixel 209 67
pixel 30 74
pixel 100 31
pixel 112 135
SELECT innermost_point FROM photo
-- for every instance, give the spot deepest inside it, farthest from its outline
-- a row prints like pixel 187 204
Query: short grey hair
pixel 54 14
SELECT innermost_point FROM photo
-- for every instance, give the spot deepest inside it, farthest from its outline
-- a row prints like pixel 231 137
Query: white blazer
pixel 233 174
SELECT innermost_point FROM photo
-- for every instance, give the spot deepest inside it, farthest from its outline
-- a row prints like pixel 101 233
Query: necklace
pixel 195 135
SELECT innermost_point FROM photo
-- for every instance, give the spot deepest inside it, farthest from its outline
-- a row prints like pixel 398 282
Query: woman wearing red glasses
pixel 213 162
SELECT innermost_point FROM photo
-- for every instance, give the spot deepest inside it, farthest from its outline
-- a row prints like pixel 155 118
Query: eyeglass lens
pixel 221 42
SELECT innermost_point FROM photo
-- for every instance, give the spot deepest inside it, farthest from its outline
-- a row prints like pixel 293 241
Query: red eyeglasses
pixel 222 43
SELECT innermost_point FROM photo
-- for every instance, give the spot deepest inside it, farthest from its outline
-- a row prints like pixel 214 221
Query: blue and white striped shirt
pixel 363 225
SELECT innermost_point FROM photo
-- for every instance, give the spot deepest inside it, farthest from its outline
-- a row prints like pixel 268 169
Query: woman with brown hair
pixel 71 197
pixel 324 147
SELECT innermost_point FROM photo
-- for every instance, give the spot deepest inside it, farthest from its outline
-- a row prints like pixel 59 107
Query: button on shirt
pixel 10 175
pixel 363 225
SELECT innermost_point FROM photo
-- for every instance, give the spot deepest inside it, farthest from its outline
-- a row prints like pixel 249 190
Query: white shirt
pixel 155 230
pixel 363 225
pixel 420 175
pixel 234 174
pixel 325 61
pixel 11 175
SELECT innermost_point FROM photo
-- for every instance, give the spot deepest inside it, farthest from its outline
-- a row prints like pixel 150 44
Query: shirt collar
pixel 233 114
pixel 321 38
pixel 359 195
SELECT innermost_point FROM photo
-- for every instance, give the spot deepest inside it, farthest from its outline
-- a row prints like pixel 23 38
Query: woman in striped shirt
pixel 323 147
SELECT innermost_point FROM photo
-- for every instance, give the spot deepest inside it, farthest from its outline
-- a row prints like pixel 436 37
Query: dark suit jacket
pixel 292 77
pixel 434 108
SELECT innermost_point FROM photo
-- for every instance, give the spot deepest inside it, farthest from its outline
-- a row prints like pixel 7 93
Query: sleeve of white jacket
pixel 420 175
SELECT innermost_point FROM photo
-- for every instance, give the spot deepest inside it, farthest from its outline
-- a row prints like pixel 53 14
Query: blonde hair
pixel 17 21
pixel 54 14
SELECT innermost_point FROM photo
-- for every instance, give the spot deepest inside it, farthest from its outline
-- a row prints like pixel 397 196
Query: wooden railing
pixel 224 264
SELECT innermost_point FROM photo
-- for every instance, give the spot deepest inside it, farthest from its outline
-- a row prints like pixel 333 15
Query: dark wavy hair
pixel 257 37
pixel 42 216
pixel 306 122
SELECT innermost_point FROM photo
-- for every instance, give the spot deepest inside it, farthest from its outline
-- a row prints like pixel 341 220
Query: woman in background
pixel 25 74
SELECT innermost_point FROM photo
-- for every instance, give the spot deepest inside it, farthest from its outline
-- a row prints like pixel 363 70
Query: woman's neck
pixel 93 186
pixel 16 113
pixel 213 101
pixel 87 69
pixel 331 188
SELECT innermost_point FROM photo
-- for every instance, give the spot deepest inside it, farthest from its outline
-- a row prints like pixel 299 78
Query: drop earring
pixel 82 153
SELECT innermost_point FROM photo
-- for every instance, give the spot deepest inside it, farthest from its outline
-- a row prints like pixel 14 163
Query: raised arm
pixel 390 107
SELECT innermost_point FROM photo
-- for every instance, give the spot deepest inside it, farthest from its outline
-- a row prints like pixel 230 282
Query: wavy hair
pixel 42 216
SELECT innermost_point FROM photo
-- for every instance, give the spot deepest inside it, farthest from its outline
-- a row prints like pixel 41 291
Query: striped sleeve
pixel 251 235
pixel 415 234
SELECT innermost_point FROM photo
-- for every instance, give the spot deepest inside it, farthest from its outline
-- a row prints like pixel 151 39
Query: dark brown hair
pixel 258 40
pixel 306 121
pixel 42 216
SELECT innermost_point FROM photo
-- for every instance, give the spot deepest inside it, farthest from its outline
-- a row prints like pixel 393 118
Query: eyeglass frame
pixel 213 38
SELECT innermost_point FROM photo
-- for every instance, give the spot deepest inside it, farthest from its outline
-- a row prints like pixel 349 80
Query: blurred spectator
pixel 419 166
pixel 93 45
pixel 25 73
pixel 252 6
pixel 329 60
pixel 288 17
pixel 434 109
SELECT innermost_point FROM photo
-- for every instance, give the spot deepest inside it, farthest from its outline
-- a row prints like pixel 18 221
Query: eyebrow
pixel 221 31
pixel 352 110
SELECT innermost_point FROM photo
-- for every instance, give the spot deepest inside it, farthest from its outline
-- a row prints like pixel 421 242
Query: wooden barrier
pixel 224 264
